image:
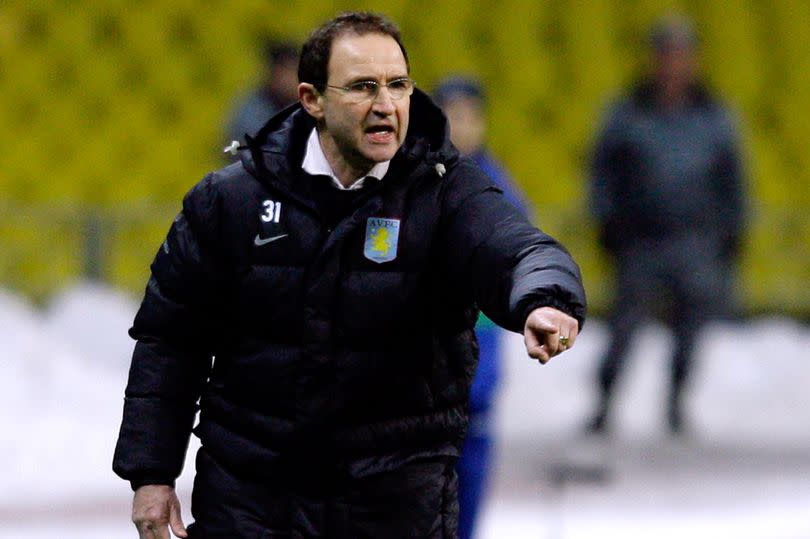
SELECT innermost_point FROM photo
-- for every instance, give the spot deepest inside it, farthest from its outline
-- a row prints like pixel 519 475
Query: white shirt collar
pixel 315 163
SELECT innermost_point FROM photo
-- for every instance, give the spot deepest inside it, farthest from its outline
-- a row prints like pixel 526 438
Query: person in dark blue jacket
pixel 317 298
pixel 278 89
pixel 668 195
pixel 463 101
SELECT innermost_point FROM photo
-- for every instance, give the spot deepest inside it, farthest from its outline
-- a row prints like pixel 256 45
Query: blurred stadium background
pixel 113 109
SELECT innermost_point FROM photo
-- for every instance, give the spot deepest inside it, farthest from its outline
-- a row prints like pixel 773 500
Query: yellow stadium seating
pixel 116 108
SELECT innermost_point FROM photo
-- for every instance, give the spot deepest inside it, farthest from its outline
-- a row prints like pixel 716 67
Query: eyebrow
pixel 373 79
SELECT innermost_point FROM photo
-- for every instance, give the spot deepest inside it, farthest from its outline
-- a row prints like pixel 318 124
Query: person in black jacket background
pixel 668 195
pixel 318 298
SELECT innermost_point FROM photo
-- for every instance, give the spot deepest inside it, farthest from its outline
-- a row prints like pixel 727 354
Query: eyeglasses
pixel 367 90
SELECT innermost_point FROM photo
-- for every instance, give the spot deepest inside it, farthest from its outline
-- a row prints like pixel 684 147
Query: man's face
pixel 359 135
pixel 675 67
pixel 467 123
pixel 284 81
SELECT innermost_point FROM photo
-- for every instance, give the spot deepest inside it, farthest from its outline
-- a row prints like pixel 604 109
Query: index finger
pixel 534 347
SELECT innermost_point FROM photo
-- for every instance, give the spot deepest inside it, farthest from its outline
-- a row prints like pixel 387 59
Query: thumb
pixel 176 519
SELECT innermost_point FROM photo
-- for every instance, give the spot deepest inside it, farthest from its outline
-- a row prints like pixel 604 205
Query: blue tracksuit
pixel 474 463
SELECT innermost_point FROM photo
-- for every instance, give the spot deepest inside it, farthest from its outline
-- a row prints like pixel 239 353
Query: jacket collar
pixel 316 163
pixel 645 92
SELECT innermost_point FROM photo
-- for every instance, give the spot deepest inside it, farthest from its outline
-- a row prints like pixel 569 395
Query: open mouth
pixel 380 129
pixel 380 134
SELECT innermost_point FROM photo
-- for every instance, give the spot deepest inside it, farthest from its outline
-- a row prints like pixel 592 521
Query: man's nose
pixel 383 104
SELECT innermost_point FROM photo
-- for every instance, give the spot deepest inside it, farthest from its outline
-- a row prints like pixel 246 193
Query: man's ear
pixel 311 100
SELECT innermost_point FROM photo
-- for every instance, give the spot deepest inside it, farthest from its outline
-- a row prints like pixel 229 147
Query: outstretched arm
pixel 512 268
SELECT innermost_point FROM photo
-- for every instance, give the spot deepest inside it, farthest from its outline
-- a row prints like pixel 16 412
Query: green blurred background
pixel 112 109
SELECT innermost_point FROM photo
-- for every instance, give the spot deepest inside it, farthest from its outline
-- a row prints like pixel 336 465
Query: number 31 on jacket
pixel 272 211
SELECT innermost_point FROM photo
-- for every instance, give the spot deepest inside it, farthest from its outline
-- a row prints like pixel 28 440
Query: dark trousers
pixel 417 500
pixel 679 284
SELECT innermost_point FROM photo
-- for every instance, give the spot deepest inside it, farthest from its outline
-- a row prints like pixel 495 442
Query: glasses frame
pixel 347 90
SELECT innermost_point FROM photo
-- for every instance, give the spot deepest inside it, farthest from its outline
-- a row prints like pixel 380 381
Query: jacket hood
pixel 278 146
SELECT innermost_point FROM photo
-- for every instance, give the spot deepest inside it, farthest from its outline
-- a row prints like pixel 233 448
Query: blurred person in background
pixel 333 272
pixel 279 88
pixel 668 195
pixel 463 101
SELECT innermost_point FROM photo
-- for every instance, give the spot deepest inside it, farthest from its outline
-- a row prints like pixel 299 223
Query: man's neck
pixel 672 95
pixel 352 177
pixel 346 172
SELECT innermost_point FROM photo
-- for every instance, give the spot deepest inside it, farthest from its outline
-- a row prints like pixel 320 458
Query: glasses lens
pixel 399 88
pixel 362 91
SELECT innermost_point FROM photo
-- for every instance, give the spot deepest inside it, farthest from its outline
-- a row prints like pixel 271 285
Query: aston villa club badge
pixel 382 236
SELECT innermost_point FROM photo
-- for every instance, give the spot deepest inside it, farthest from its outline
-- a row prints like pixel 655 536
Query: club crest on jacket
pixel 382 237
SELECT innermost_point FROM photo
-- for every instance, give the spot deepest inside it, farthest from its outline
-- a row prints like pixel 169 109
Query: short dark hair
pixel 279 52
pixel 673 32
pixel 313 65
pixel 456 87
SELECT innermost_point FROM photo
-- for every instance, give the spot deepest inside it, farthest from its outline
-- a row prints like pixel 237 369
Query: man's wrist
pixel 138 483
pixel 554 303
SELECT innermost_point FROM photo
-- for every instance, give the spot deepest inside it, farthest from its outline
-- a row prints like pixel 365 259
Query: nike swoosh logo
pixel 259 241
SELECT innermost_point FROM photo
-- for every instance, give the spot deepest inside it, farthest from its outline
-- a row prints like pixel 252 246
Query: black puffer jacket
pixel 349 347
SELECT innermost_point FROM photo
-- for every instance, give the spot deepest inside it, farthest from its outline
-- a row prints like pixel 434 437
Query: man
pixel 279 88
pixel 462 100
pixel 332 273
pixel 667 193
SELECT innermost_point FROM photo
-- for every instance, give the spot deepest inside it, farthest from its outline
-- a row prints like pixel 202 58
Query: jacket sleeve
pixel 729 176
pixel 173 352
pixel 611 165
pixel 510 266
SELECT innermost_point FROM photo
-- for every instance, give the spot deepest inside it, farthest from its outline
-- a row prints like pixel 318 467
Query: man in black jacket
pixel 333 274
